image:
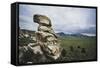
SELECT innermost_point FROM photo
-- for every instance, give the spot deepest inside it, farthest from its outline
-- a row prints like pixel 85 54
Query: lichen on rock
pixel 47 38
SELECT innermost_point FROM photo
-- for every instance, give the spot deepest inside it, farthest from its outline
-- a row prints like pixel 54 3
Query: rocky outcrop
pixel 40 46
pixel 47 38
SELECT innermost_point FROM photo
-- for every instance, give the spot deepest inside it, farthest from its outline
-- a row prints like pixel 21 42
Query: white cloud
pixel 64 19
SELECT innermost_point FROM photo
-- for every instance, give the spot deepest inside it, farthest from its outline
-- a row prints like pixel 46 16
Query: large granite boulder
pixel 46 37
pixel 45 46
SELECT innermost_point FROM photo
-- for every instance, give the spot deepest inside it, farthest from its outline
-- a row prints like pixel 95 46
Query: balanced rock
pixel 46 37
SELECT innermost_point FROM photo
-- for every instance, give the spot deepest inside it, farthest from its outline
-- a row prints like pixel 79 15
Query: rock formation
pixel 39 46
pixel 46 37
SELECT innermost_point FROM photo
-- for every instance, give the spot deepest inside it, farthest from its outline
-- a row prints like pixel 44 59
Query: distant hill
pixel 62 34
pixel 26 31
pixel 29 32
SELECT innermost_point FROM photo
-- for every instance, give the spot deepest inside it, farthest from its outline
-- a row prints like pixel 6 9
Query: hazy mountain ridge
pixel 77 34
pixel 62 34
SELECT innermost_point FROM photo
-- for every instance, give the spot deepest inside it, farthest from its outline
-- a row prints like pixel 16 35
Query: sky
pixel 64 19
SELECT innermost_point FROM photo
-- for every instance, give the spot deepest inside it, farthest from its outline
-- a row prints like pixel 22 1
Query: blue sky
pixel 64 19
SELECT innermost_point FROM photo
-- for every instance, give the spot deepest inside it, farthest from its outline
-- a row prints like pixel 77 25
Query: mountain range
pixel 62 34
pixel 75 34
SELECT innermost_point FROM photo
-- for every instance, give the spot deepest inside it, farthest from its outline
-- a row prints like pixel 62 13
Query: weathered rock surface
pixel 40 46
pixel 46 37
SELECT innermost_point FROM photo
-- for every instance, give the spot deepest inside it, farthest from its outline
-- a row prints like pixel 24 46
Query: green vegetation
pixel 76 48
pixel 79 48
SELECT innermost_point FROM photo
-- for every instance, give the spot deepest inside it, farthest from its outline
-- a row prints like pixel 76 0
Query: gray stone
pixel 46 37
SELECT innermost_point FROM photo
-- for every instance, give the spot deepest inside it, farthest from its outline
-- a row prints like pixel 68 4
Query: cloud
pixel 64 19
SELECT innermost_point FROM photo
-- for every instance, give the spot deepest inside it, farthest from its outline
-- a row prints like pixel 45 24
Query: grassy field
pixel 76 48
pixel 79 48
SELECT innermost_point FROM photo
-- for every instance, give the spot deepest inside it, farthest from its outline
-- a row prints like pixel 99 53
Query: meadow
pixel 79 48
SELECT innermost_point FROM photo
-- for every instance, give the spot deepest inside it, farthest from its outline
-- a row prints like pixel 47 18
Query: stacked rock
pixel 46 37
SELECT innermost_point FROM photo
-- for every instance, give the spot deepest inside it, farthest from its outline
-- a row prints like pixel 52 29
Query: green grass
pixel 79 48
